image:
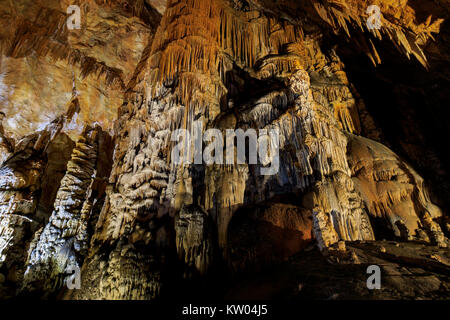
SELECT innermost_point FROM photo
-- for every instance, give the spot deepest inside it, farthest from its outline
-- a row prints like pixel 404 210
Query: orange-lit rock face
pixel 44 63
pixel 103 55
pixel 122 210
pixel 159 5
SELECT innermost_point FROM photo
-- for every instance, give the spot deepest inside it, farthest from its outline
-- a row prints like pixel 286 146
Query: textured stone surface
pixel 43 62
pixel 267 234
pixel 392 190
pixel 63 243
pixel 21 211
pixel 195 239
pixel 408 272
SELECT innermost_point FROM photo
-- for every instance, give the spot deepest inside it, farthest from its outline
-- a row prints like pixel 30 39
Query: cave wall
pixel 130 217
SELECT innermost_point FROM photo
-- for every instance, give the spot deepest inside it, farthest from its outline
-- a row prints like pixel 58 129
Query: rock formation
pixel 88 178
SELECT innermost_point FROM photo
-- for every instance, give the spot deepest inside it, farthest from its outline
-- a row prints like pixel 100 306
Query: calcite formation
pixel 63 243
pixel 393 191
pixel 107 98
pixel 43 62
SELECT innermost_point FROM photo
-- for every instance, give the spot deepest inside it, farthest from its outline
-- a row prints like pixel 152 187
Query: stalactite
pixel 194 240
pixel 47 36
pixel 62 238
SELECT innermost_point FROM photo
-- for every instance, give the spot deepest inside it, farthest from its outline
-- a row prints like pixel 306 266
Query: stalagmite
pixel 135 220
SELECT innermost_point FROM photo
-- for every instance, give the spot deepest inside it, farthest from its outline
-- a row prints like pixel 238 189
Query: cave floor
pixel 409 270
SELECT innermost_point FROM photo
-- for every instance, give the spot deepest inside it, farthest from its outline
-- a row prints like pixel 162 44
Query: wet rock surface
pixel 88 180
pixel 407 272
